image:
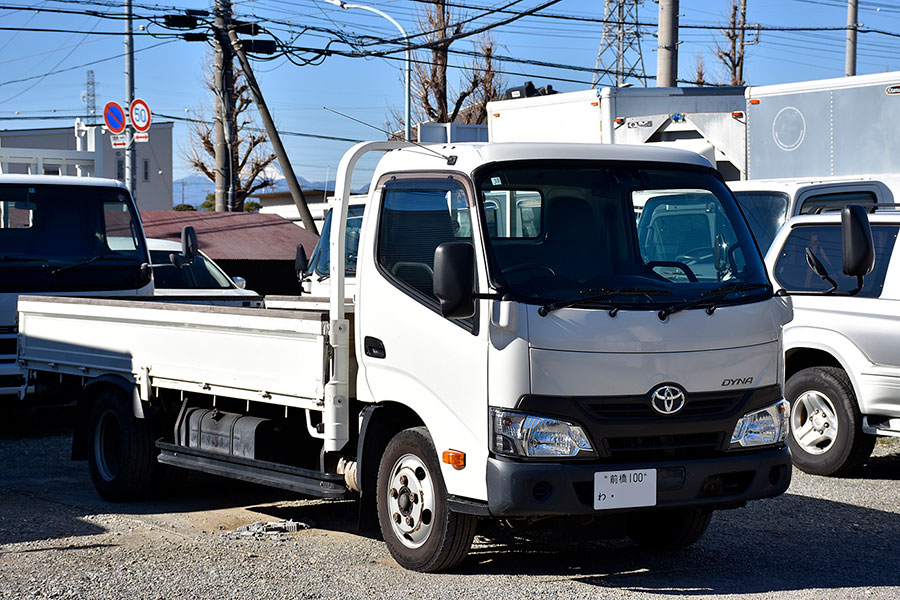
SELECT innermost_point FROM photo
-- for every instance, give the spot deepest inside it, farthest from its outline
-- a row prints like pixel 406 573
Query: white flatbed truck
pixel 518 348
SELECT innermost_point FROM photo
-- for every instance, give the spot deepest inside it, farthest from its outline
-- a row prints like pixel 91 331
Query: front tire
pixel 669 529
pixel 420 531
pixel 826 425
pixel 121 454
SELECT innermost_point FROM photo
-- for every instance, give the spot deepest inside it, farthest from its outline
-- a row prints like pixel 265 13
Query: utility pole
pixel 852 26
pixel 275 139
pixel 130 162
pixel 667 50
pixel 225 134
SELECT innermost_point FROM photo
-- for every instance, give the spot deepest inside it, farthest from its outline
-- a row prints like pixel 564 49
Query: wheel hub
pixel 411 501
pixel 814 422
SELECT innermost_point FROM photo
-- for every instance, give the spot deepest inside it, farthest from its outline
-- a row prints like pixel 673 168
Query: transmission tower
pixel 619 57
pixel 90 99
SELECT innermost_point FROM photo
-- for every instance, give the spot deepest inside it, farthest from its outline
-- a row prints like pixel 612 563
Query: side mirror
pixel 189 246
pixel 858 249
pixel 240 282
pixel 454 279
pixel 301 262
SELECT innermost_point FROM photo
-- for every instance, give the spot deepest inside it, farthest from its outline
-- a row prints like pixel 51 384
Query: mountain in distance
pixel 194 188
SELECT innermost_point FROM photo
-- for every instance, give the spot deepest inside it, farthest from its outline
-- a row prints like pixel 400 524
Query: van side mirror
pixel 301 262
pixel 857 246
pixel 454 279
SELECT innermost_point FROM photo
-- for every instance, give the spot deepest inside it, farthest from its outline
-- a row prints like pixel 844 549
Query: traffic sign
pixel 140 115
pixel 114 117
pixel 142 137
pixel 119 140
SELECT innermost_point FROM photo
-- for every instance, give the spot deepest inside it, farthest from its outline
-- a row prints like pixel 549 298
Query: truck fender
pixel 378 424
pixel 123 384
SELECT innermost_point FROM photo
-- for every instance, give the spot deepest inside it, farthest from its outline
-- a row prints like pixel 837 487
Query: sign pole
pixel 130 179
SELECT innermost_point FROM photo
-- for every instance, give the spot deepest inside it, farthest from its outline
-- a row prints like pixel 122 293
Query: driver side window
pixel 418 215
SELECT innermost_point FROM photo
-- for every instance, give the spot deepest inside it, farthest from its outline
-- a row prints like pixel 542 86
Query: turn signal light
pixel 455 459
pixel 754 101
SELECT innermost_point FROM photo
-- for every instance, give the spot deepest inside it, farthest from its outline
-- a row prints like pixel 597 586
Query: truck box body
pixel 846 126
pixel 698 119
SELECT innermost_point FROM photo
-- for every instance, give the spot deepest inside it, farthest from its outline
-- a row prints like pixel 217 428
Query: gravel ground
pixel 824 538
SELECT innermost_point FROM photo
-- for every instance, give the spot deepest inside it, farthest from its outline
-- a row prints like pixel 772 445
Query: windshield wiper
pixel 709 298
pixel 23 259
pixel 596 295
pixel 83 262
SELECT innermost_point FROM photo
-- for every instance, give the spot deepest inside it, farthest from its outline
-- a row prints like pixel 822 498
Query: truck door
pixel 409 353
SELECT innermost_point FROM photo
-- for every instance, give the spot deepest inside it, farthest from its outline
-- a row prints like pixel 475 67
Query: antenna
pixel 451 160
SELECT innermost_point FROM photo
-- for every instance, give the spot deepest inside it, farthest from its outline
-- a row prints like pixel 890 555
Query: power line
pixel 94 62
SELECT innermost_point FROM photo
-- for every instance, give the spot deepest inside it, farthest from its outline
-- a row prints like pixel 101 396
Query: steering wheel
pixel 676 264
pixel 529 267
pixel 696 255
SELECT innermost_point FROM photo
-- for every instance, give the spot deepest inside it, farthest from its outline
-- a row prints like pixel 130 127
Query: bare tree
pixel 732 56
pixel 433 97
pixel 699 71
pixel 249 155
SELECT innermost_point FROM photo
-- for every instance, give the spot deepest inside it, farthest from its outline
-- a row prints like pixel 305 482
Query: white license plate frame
pixel 632 488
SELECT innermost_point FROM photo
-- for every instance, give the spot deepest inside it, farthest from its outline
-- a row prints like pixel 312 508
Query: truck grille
pixel 8 329
pixel 663 447
pixel 8 346
pixel 638 407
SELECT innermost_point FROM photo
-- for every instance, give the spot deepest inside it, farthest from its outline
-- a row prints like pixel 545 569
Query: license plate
pixel 624 489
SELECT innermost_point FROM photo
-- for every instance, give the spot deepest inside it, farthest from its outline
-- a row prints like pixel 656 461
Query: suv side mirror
pixel 189 246
pixel 857 247
pixel 301 262
pixel 454 279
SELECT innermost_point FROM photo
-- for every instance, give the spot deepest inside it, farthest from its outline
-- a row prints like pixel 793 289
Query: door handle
pixel 374 347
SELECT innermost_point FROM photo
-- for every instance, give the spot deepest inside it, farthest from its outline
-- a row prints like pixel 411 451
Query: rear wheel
pixel 121 454
pixel 669 529
pixel 826 424
pixel 419 529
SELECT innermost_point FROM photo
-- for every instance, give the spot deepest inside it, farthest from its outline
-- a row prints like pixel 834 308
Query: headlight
pixel 761 427
pixel 519 434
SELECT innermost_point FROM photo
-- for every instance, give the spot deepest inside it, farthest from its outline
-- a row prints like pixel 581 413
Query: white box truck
pixel 708 121
pixel 520 347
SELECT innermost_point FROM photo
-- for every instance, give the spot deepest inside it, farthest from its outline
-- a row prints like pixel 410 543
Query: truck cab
pixel 64 236
pixel 769 203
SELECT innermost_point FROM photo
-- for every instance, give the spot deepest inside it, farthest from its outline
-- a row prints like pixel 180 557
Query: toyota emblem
pixel 667 399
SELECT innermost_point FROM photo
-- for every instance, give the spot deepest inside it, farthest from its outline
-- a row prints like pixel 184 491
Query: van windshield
pixel 636 237
pixel 69 238
pixel 766 212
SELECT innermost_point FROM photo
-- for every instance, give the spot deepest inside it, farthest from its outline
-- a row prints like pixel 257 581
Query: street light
pixel 347 5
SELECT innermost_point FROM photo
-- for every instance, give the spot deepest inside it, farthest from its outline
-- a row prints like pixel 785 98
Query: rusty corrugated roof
pixel 232 236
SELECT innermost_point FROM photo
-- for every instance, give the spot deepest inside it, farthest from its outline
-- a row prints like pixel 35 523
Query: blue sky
pixel 169 73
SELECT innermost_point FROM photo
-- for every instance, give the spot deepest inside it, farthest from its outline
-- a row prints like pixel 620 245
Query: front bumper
pixel 519 489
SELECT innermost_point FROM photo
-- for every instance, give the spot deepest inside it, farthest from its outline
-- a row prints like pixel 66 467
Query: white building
pixel 57 151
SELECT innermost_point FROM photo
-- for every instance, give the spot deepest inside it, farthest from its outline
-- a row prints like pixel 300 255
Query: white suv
pixel 842 358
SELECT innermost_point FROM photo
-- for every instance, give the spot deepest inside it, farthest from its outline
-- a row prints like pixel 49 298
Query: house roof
pixel 232 236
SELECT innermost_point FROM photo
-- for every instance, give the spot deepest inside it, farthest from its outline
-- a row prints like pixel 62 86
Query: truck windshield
pixel 69 238
pixel 766 212
pixel 652 236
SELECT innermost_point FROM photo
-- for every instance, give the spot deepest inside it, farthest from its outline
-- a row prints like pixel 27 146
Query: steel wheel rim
pixel 108 445
pixel 814 422
pixel 410 501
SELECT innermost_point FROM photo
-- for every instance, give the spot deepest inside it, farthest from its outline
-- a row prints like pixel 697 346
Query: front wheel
pixel 121 455
pixel 826 425
pixel 669 529
pixel 420 531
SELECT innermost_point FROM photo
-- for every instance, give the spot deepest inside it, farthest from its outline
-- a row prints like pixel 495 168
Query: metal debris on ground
pixel 270 530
